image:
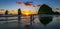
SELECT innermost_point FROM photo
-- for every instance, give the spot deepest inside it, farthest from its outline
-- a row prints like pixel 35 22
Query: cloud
pixel 25 3
pixel 28 4
pixel 19 2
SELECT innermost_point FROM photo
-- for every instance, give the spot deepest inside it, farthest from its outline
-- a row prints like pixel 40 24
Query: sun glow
pixel 28 12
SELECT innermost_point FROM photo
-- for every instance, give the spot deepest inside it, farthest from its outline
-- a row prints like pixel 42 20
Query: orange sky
pixel 16 12
pixel 27 12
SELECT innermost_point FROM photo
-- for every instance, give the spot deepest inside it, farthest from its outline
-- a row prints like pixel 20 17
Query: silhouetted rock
pixel 19 18
pixel 6 12
pixel 45 9
pixel 19 11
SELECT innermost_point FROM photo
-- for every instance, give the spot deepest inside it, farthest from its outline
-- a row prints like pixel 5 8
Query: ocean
pixel 25 22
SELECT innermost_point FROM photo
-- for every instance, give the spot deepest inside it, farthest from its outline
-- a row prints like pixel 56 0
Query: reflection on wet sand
pixel 45 20
pixel 25 23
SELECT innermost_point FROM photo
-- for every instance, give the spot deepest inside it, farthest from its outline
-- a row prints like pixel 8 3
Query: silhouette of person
pixel 31 19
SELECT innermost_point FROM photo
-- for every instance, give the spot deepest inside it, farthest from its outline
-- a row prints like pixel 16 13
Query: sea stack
pixel 45 9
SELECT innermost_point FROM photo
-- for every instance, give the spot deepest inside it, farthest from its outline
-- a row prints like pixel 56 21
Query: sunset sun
pixel 27 12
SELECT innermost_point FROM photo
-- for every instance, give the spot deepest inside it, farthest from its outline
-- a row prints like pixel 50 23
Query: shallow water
pixel 12 23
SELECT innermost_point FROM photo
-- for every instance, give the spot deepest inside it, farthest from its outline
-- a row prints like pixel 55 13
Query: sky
pixel 11 4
